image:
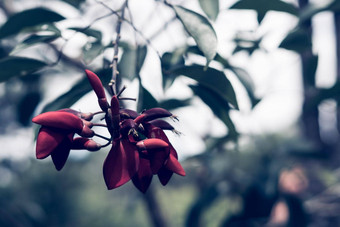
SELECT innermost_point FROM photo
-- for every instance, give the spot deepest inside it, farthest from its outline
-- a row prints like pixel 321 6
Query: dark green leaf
pixel 18 66
pixel 263 6
pixel 211 78
pixel 89 32
pixel 210 7
pixel 145 99
pixel 171 104
pixel 75 3
pixel 243 77
pixel 76 92
pixel 218 106
pixel 200 29
pixel 131 61
pixel 35 39
pixel 27 19
pixel 169 62
pixel 92 50
pixel 26 106
pixel 297 40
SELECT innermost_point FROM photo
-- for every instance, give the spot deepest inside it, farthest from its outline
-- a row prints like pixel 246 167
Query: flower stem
pixel 116 49
pixel 103 137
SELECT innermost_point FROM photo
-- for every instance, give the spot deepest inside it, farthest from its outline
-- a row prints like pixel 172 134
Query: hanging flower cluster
pixel 140 148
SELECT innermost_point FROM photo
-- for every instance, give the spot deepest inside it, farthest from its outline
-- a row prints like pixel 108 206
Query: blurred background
pixel 259 127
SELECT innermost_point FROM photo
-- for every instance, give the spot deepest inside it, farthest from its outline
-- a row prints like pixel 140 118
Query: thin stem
pixel 103 137
pixel 116 49
pixel 126 98
pixel 148 41
pixel 100 125
pixel 99 112
pixel 107 144
pixel 121 91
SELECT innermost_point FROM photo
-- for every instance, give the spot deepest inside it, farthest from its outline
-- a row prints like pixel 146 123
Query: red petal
pixel 142 179
pixel 120 164
pixel 85 143
pixel 173 165
pixel 96 84
pixel 164 175
pixel 59 119
pixel 157 158
pixel 152 143
pixel 47 141
pixel 61 153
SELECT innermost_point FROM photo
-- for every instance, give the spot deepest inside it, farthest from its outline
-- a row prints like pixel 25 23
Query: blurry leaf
pixel 310 70
pixel 26 106
pixel 210 7
pixel 169 62
pixel 91 51
pixel 81 88
pixel 132 61
pixel 211 78
pixel 243 77
pixel 297 40
pixel 312 9
pixel 89 32
pixel 263 6
pixel 218 106
pixel 75 3
pixel 28 18
pixel 171 104
pixel 200 29
pixel 145 99
pixel 35 39
pixel 248 45
pixel 18 66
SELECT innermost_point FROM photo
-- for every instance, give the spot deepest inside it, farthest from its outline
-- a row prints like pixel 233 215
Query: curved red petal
pixel 142 179
pixel 60 154
pixel 157 158
pixel 164 175
pixel 152 143
pixel 174 165
pixel 59 119
pixel 120 164
pixel 47 141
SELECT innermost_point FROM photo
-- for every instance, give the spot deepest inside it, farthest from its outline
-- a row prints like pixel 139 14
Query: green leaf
pixel 169 62
pixel 200 29
pixel 89 32
pixel 145 99
pixel 263 6
pixel 210 7
pixel 27 19
pixel 131 61
pixel 171 104
pixel 81 88
pixel 92 50
pixel 243 77
pixel 212 79
pixel 297 40
pixel 26 107
pixel 18 66
pixel 75 3
pixel 35 39
pixel 218 106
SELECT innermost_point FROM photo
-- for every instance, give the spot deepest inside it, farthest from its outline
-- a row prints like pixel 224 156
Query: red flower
pixel 140 148
pixel 55 137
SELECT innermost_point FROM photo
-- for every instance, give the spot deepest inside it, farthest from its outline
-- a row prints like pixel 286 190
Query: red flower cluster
pixel 140 148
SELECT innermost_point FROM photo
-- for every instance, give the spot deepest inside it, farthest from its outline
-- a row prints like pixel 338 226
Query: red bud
pixel 59 119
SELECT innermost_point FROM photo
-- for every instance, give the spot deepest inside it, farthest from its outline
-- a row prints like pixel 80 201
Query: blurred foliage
pixel 229 184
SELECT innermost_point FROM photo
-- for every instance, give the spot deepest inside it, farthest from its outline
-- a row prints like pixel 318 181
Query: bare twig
pixel 116 49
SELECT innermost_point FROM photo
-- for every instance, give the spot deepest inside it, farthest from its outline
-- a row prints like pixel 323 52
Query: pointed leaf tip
pixel 200 29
